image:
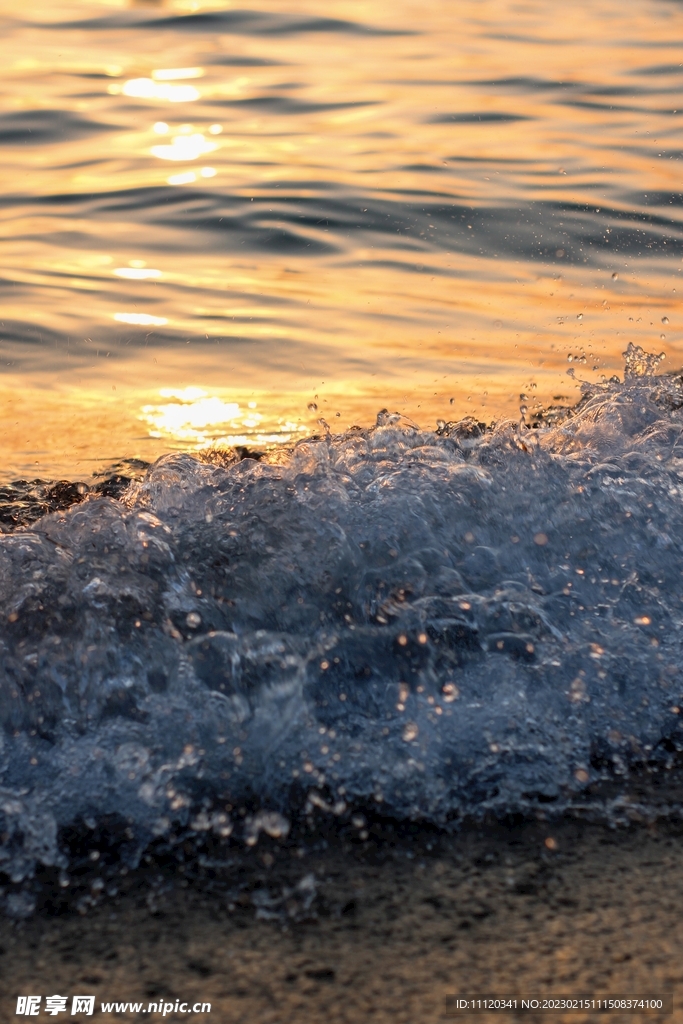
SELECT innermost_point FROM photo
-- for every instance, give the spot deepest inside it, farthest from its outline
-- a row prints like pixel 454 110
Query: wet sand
pixel 387 932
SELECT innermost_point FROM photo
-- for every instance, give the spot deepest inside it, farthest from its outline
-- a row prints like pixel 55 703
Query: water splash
pixel 476 619
pixel 639 363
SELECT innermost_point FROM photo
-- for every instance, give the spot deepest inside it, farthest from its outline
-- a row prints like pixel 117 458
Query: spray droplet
pixel 570 359
pixel 312 407
pixel 638 363
pixel 579 316
pixel 410 732
pixel 615 276
pixel 665 319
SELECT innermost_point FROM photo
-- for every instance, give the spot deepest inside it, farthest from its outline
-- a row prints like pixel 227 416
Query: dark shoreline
pixel 382 930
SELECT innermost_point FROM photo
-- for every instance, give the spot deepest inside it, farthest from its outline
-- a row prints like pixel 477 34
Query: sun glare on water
pixel 195 417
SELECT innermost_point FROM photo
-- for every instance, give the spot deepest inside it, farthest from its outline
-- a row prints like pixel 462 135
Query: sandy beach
pixel 382 931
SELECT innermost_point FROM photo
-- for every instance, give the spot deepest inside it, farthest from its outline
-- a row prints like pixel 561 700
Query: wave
pixel 425 223
pixel 242 22
pixel 437 624
pixel 37 127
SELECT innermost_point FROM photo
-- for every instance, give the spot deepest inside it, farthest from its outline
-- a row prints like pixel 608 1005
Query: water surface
pixel 220 223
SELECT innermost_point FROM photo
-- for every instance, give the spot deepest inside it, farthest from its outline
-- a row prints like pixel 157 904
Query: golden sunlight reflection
pixel 434 208
pixel 201 419
pixel 185 147
pixel 149 89
pixel 174 74
pixel 185 178
pixel 140 319
pixel 137 274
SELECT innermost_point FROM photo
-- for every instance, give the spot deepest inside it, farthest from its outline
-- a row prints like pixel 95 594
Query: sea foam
pixel 437 624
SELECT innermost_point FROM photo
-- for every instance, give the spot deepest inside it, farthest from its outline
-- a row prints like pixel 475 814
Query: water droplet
pixel 639 363
pixel 312 407
pixel 615 276
pixel 579 316
pixel 662 337
pixel 570 359
pixel 410 732
pixel 193 620
pixel 665 319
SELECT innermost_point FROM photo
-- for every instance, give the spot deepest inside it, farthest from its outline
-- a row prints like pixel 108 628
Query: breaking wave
pixel 437 624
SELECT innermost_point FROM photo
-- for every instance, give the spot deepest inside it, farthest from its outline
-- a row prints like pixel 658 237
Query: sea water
pixel 436 624
pixel 219 223
pixel 233 597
